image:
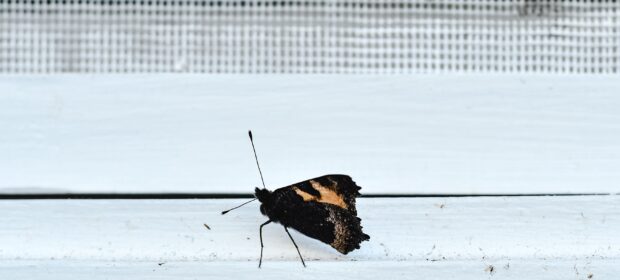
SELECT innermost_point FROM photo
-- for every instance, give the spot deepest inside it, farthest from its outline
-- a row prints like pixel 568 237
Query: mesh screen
pixel 345 36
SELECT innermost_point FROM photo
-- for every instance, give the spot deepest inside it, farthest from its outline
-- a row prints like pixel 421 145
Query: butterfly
pixel 322 208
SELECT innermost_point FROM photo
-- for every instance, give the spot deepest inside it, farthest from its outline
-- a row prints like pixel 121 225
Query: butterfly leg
pixel 300 257
pixel 260 261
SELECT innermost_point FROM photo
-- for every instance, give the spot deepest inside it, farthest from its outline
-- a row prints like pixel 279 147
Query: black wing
pixel 322 208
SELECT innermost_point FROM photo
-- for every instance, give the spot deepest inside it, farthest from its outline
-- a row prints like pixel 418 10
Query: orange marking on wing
pixel 306 196
pixel 327 195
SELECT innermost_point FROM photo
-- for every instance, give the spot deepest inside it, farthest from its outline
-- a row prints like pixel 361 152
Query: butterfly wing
pixel 322 208
pixel 338 190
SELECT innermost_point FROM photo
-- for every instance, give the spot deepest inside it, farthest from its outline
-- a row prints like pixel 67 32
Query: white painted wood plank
pixel 393 134
pixel 492 230
pixel 462 270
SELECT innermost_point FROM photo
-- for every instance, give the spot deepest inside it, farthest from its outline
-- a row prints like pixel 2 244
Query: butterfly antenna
pixel 224 212
pixel 256 157
pixel 259 171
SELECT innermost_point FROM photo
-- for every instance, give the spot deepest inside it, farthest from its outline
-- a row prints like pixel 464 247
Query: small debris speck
pixel 160 264
pixel 590 276
pixel 207 226
pixel 490 269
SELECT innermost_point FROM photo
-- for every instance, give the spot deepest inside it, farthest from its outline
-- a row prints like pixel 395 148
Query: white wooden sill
pixel 411 238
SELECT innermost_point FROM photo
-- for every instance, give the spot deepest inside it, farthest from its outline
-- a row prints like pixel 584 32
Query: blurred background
pixel 252 36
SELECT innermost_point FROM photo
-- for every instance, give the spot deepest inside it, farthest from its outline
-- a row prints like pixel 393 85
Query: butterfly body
pixel 322 208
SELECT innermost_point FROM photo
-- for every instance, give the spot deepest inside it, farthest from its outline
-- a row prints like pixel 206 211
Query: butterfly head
pixel 264 196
